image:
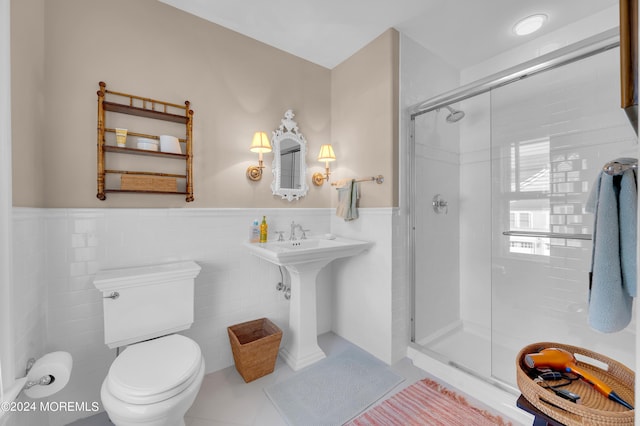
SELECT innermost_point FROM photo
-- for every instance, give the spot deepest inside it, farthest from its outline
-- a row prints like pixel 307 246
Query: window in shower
pixel 546 191
pixel 528 196
pixel 530 166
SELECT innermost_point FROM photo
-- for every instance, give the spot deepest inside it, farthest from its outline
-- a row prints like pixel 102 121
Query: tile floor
pixel 226 400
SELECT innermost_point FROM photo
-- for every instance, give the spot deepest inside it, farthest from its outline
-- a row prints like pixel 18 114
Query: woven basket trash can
pixel 255 347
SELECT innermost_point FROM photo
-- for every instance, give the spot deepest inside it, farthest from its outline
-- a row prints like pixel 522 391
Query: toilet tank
pixel 144 302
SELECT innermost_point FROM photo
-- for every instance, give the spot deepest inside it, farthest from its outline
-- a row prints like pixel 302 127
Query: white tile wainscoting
pixel 58 251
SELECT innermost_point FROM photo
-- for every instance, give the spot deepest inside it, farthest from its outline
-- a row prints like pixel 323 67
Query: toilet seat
pixel 155 370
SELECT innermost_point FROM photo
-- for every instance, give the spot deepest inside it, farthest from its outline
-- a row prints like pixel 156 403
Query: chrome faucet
pixel 295 226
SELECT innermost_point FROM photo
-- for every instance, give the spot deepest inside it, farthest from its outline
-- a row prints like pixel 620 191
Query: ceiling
pixel 326 32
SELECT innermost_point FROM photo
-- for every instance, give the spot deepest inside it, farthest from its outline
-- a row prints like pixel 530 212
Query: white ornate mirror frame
pixel 289 165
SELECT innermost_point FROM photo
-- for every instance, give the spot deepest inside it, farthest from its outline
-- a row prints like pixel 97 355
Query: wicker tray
pixel 255 347
pixel 595 409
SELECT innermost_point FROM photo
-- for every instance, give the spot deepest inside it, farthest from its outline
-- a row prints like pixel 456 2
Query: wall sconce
pixel 326 154
pixel 259 144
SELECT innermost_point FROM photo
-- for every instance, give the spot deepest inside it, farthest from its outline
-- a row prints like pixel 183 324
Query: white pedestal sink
pixel 303 259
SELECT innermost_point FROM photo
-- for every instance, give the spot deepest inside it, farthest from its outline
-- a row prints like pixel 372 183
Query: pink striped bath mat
pixel 427 403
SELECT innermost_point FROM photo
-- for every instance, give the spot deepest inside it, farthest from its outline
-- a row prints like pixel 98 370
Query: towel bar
pixel 378 179
pixel 548 235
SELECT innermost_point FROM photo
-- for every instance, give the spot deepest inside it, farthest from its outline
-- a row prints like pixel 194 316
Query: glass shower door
pixel 452 244
pixel 551 134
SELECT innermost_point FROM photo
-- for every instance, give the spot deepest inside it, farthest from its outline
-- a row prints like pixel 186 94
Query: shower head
pixel 454 115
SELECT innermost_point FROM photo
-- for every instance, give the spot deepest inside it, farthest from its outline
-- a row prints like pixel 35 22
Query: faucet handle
pixel 304 234
pixel 280 236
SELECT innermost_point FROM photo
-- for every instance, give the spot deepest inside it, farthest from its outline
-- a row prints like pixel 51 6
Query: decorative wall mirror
pixel 289 165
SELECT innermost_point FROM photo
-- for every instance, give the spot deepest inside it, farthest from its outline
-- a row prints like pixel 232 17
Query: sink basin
pixel 309 250
pixel 303 259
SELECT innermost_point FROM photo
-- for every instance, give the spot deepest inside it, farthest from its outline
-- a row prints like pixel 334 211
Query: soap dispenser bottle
pixel 263 230
pixel 254 235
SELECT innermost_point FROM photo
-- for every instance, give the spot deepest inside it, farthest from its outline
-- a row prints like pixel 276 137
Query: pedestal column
pixel 302 347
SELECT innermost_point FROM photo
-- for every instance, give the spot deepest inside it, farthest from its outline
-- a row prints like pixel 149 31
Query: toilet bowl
pixel 153 383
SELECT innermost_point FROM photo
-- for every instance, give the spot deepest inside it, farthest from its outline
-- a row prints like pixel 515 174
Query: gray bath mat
pixel 334 390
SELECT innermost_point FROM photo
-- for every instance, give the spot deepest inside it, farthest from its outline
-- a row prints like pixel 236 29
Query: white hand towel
pixel 348 196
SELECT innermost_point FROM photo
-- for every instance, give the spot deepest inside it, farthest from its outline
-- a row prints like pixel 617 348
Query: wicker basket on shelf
pixel 594 408
pixel 131 182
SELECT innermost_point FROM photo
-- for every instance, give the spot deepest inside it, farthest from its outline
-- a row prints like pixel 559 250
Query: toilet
pixel 157 374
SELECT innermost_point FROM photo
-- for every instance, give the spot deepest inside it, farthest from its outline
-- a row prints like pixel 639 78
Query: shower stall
pixel 500 238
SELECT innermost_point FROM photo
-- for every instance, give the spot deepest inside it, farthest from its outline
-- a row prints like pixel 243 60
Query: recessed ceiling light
pixel 530 24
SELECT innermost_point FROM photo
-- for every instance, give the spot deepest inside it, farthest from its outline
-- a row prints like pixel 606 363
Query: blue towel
pixel 613 200
pixel 628 202
pixel 348 196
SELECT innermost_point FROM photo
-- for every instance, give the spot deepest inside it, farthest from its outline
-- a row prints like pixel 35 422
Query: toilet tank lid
pixel 110 279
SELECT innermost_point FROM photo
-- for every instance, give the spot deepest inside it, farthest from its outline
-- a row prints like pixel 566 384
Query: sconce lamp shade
pixel 260 143
pixel 326 153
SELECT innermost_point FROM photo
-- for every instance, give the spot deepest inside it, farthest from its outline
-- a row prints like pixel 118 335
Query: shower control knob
pixel 114 295
pixel 440 205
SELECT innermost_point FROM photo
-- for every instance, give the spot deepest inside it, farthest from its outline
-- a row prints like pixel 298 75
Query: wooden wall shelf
pixel 155 110
pixel 136 151
pixel 143 112
pixel 139 191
